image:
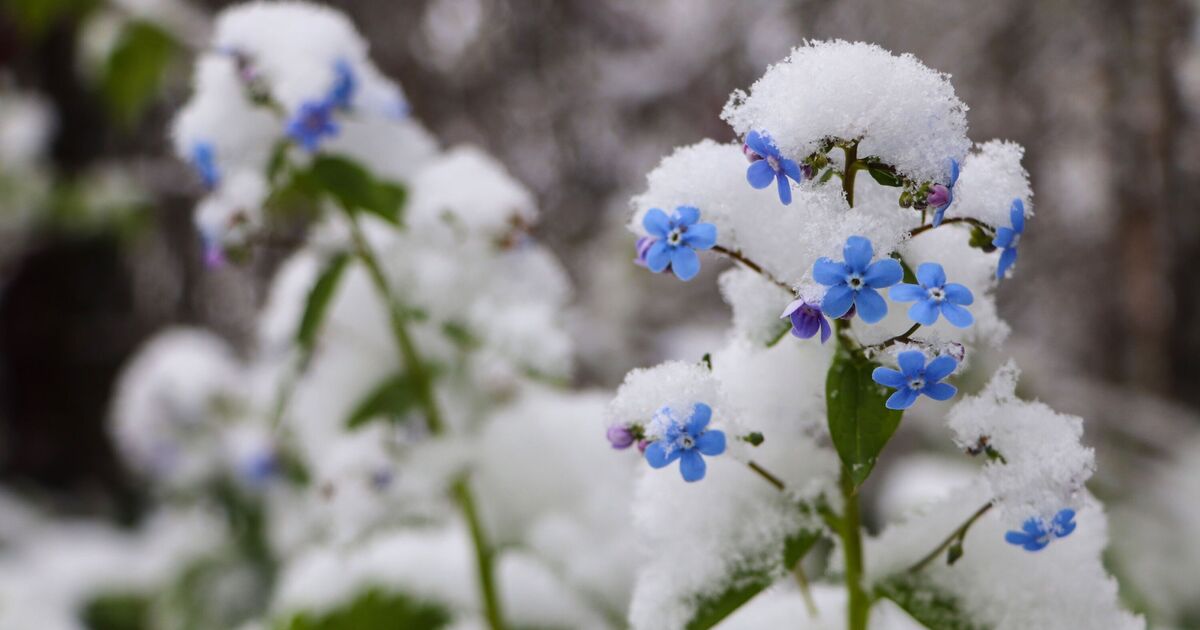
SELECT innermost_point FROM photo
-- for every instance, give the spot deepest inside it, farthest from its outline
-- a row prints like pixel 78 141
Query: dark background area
pixel 580 99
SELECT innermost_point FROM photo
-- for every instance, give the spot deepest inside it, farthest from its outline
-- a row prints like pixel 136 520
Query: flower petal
pixel 760 174
pixel 792 307
pixel 940 391
pixel 957 315
pixel 825 330
pixel 912 362
pixel 902 399
pixel 924 312
pixel 871 306
pixel 785 189
pixel 1004 237
pixel 958 294
pixel 837 300
pixel 657 455
pixel 692 466
pixel 760 143
pixel 858 253
pixel 804 325
pixel 1016 214
pixel 701 414
pixel 830 273
pixel 700 236
pixel 711 443
pixel 907 293
pixel 791 169
pixel 656 223
pixel 1007 258
pixel 939 213
pixel 686 215
pixel 889 378
pixel 939 368
pixel 883 273
pixel 658 257
pixel 953 172
pixel 685 263
pixel 1017 538
pixel 931 275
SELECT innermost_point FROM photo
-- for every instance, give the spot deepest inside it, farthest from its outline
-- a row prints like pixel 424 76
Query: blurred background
pixel 580 99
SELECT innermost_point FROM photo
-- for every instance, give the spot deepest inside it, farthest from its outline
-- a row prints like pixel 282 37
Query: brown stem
pixel 765 474
pixel 904 336
pixel 752 266
pixel 957 534
pixel 929 226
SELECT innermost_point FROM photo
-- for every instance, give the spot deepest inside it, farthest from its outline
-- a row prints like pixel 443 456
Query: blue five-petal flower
pixel 854 282
pixel 1007 238
pixel 942 196
pixel 1035 535
pixel 344 85
pixel 933 296
pixel 676 239
pixel 204 158
pixel 687 442
pixel 767 164
pixel 313 122
pixel 915 378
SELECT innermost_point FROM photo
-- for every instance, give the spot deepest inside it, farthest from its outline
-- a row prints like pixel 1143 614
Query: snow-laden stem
pixel 957 535
pixel 739 257
pixel 929 226
pixel 423 385
pixel 765 474
pixel 904 336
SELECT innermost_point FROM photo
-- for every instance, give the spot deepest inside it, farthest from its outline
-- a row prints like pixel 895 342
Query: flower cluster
pixel 1035 533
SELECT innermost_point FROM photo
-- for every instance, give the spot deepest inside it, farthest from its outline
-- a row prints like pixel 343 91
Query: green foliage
pixel 374 610
pixel 746 584
pixel 135 69
pixel 884 174
pixel 317 304
pixel 391 399
pixel 934 608
pixel 34 17
pixel 117 611
pixel 859 423
pixel 355 189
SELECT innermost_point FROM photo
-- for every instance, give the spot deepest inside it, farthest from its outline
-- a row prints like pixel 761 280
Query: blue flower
pixel 941 196
pixel 1007 239
pixel 767 164
pixel 204 158
pixel 313 122
pixel 854 282
pixel 1035 535
pixel 934 296
pixel 344 85
pixel 676 239
pixel 807 319
pixel 915 378
pixel 687 442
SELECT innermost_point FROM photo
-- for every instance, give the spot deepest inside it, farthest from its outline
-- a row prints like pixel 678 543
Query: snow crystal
pixel 467 189
pixel 904 112
pixel 992 176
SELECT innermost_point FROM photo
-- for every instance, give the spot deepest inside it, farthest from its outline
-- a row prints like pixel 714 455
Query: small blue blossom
pixel 915 378
pixel 941 196
pixel 313 122
pixel 1007 238
pixel 676 239
pixel 344 85
pixel 767 164
pixel 933 296
pixel 854 281
pixel 258 469
pixel 204 158
pixel 1035 535
pixel 686 441
pixel 807 319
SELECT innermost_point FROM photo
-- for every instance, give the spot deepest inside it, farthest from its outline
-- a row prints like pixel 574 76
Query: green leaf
pixel 745 585
pixel 135 69
pixel 859 423
pixel 355 189
pixel 777 337
pixel 390 399
pixel 884 174
pixel 934 608
pixel 374 610
pixel 117 611
pixel 317 304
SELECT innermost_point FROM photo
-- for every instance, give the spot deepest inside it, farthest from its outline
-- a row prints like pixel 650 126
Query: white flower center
pixel 1015 239
pixel 916 383
pixel 937 294
pixel 773 163
pixel 686 441
pixel 675 237
pixel 855 281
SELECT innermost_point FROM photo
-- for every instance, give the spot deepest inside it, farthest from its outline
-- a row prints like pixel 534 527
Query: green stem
pixel 423 384
pixel 929 226
pixel 958 534
pixel 858 604
pixel 852 167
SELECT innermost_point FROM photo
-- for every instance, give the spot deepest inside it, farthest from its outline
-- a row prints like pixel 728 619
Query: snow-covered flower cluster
pixel 886 221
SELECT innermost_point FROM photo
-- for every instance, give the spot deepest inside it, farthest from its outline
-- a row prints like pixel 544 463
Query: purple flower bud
pixel 643 248
pixel 642 444
pixel 850 313
pixel 808 171
pixel 620 436
pixel 939 196
pixel 807 319
pixel 750 154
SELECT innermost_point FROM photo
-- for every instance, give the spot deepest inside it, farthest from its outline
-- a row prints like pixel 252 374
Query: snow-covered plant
pixel 880 232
